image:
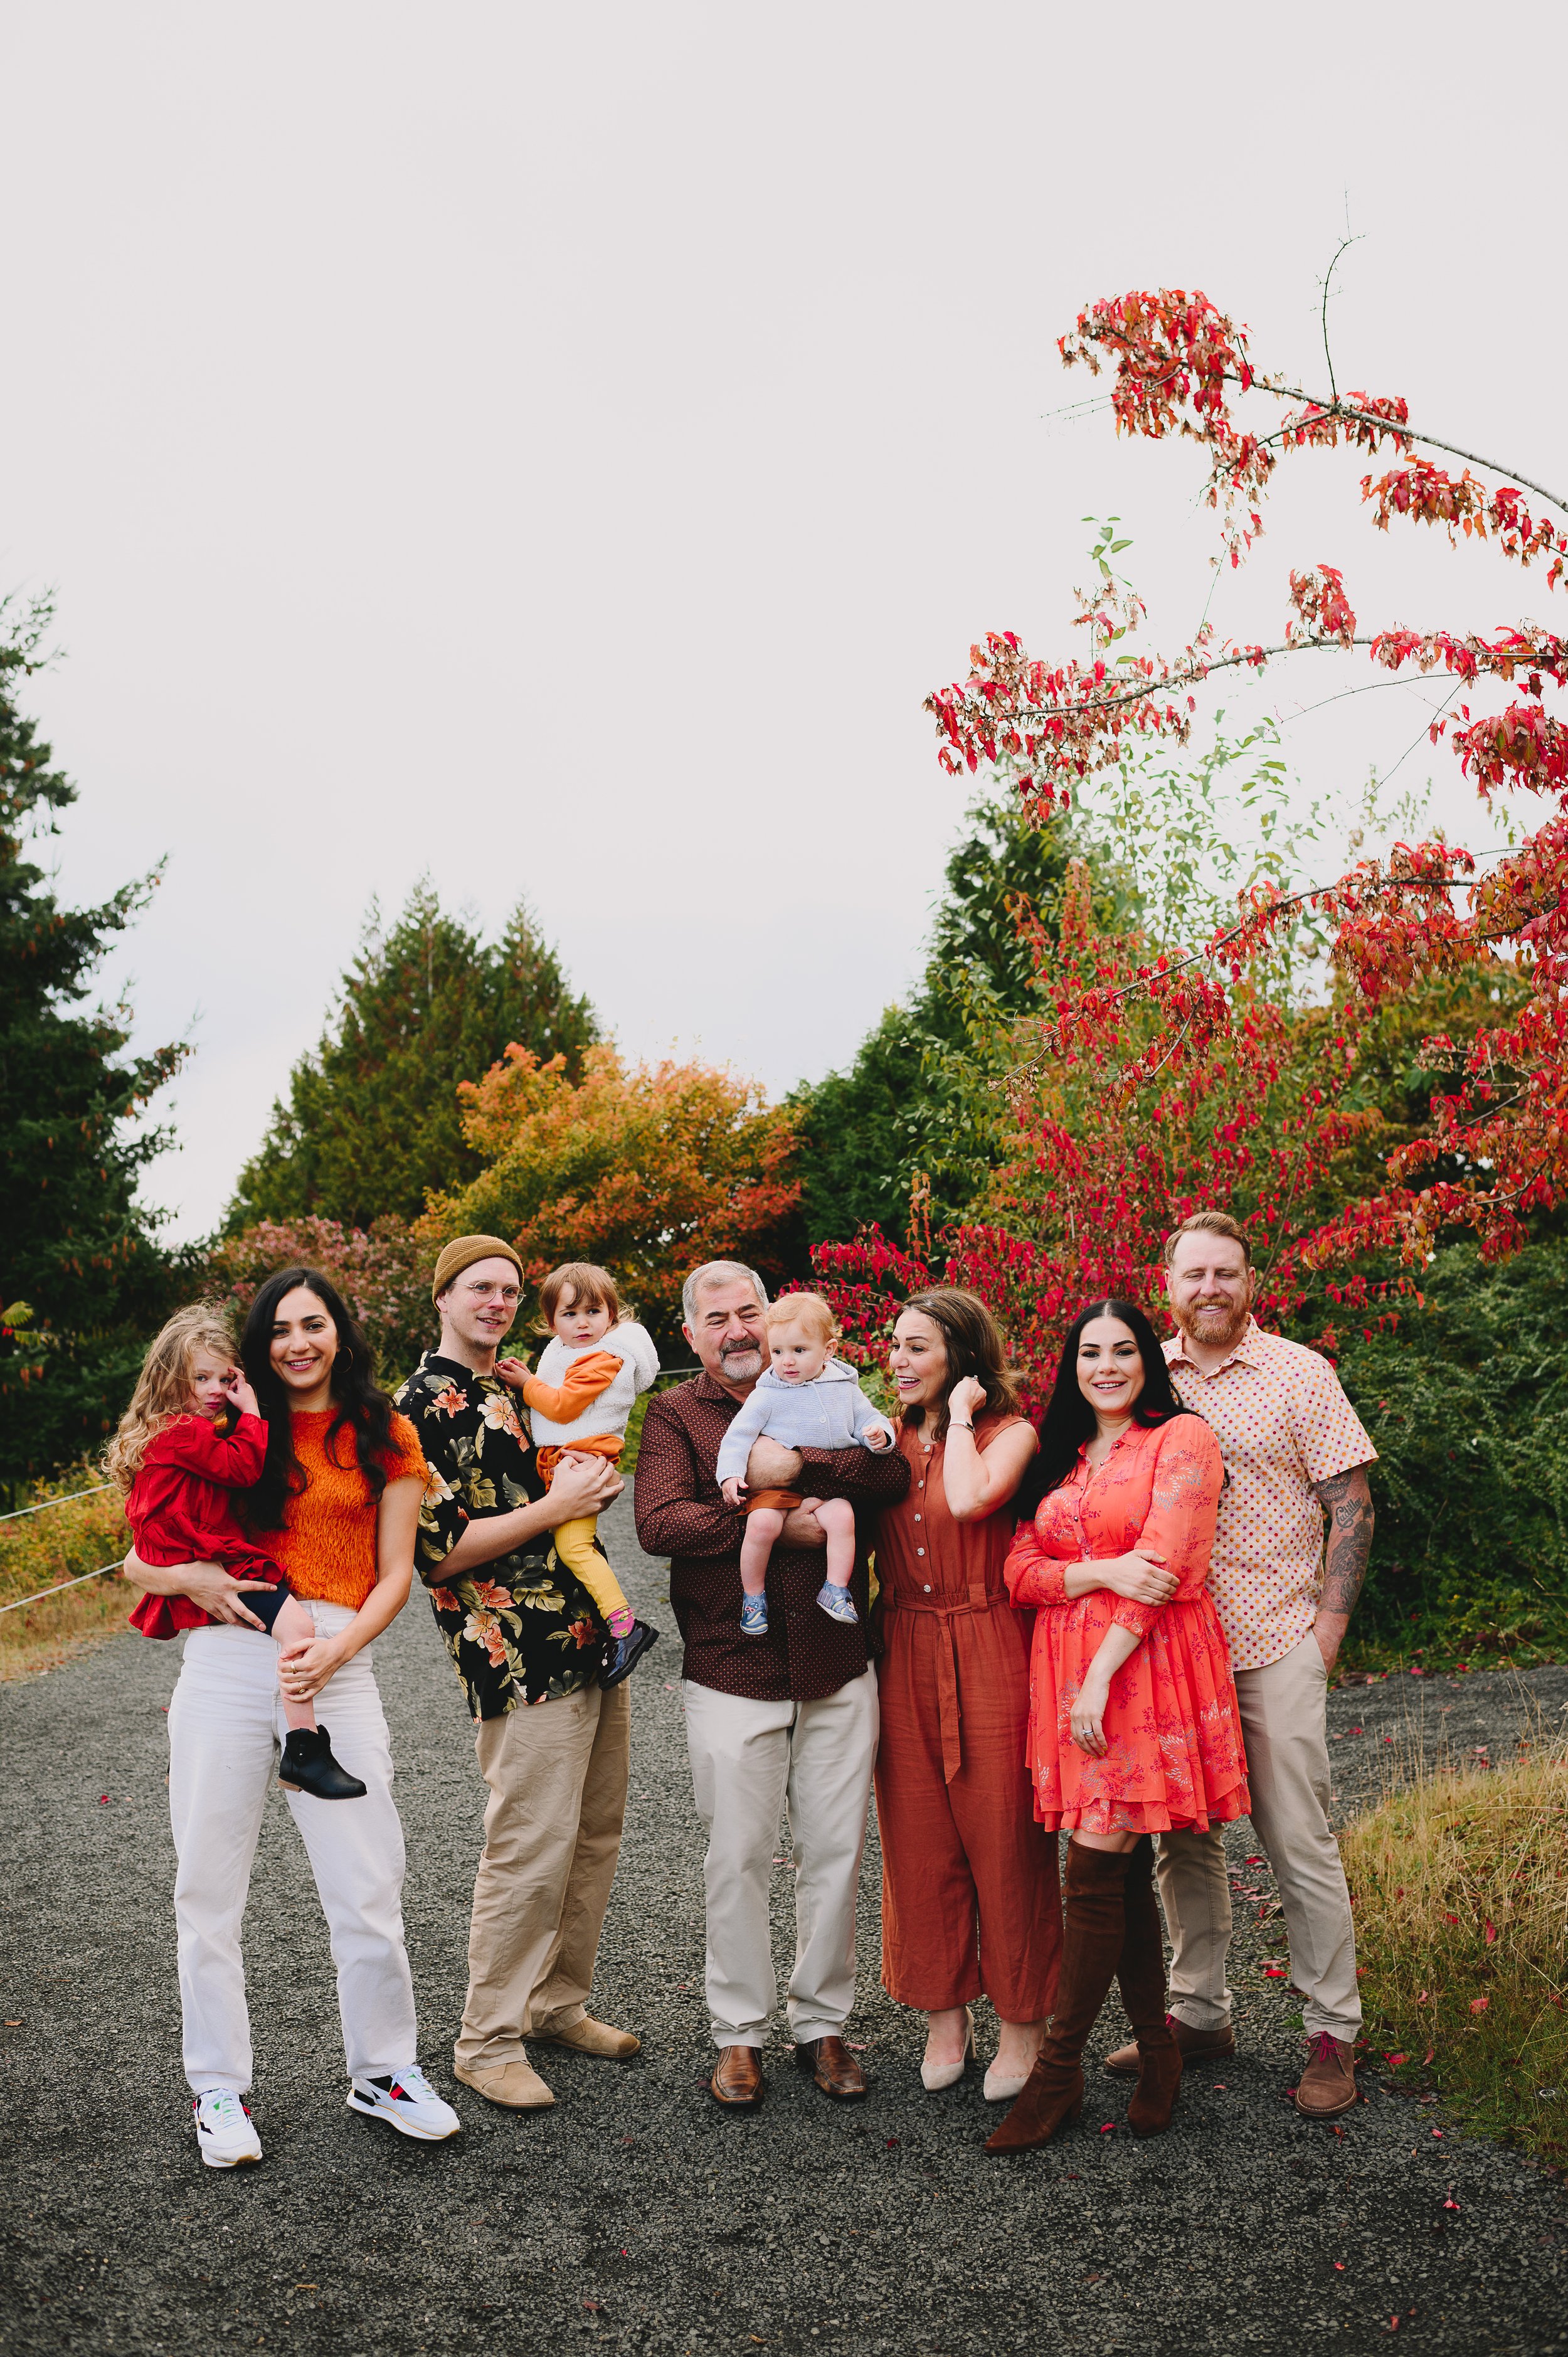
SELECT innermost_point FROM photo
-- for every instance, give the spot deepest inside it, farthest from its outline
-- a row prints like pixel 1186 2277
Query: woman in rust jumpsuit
pixel 969 1880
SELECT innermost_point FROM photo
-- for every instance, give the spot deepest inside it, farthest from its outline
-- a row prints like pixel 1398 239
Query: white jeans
pixel 1285 1722
pixel 226 1728
pixel 750 1761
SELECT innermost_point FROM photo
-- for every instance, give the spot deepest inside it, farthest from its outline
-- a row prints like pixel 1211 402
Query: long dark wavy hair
pixel 361 1407
pixel 1068 1420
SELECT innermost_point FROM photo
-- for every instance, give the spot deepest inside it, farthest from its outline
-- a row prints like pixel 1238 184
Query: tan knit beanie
pixel 462 1252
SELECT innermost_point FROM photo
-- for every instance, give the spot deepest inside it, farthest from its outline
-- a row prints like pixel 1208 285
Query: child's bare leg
pixel 293 1625
pixel 836 1516
pixel 756 1547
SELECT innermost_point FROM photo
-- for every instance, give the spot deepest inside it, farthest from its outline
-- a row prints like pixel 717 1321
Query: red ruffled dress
pixel 1173 1752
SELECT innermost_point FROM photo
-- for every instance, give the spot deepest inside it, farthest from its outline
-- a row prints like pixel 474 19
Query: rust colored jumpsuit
pixel 970 1902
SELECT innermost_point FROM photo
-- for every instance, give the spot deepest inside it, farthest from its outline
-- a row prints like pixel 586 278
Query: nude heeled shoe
pixel 1000 2087
pixel 934 2076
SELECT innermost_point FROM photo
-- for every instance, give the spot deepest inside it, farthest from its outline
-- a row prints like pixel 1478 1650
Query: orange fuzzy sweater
pixel 327 1547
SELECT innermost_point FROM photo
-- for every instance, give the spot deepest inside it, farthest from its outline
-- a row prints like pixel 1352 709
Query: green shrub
pixel 1467 1402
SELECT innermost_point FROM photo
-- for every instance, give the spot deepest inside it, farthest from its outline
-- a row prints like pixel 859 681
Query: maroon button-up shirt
pixel 681 1513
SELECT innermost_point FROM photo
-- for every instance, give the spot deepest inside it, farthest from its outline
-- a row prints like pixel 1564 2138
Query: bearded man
pixel 783 1721
pixel 1294 1452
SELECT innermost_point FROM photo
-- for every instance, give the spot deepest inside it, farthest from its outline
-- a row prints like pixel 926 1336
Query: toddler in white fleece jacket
pixel 590 1374
pixel 805 1400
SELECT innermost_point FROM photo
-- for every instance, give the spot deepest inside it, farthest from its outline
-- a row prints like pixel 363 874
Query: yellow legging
pixel 574 1544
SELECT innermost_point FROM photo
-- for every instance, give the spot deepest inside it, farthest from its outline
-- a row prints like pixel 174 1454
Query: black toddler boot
pixel 308 1767
pixel 622 1654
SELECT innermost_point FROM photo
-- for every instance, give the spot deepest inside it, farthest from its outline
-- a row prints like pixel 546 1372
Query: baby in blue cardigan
pixel 805 1400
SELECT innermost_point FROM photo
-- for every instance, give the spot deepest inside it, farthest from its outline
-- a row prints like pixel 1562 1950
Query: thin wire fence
pixel 68 1500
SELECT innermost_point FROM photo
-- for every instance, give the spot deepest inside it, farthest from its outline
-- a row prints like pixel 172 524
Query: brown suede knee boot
pixel 1091 1946
pixel 1142 1974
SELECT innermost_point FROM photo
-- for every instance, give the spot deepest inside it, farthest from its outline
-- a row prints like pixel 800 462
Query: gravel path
pixel 634 2215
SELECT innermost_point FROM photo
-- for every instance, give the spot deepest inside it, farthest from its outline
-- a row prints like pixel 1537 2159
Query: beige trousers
pixel 750 1762
pixel 557 1772
pixel 1284 1719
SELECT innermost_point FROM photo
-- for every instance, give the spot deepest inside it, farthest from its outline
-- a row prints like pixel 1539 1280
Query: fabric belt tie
pixel 941 1608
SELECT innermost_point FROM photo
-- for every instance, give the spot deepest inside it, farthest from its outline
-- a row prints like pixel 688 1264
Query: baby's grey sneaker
pixel 837 1603
pixel 754 1616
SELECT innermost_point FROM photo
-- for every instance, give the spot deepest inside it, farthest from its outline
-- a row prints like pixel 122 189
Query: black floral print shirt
pixel 520 1628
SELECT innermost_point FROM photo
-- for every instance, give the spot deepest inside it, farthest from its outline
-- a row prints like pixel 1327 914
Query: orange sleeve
pixel 1033 1577
pixel 1178 1530
pixel 403 1454
pixel 564 1402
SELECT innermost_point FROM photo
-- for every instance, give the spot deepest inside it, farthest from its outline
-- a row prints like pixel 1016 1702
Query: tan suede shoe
pixel 591 2036
pixel 1196 2046
pixel 1327 2086
pixel 515 2086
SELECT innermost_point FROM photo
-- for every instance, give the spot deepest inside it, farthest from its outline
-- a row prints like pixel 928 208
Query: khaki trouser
pixel 750 1761
pixel 557 1772
pixel 1284 1719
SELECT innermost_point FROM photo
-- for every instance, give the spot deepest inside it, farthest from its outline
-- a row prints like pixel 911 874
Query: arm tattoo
pixel 1347 1499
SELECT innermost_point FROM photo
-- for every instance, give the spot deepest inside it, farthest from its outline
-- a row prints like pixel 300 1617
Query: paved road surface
pixel 634 2215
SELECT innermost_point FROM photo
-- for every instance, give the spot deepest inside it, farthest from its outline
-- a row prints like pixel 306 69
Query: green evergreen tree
pixel 80 1272
pixel 898 1108
pixel 371 1124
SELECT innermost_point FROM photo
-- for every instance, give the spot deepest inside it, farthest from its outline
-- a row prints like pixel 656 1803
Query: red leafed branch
pixel 1181 1048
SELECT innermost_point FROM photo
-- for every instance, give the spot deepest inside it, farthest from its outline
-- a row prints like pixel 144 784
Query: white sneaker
pixel 224 2129
pixel 409 2101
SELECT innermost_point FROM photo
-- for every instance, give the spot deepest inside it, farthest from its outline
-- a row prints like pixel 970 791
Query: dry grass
pixel 1461 1891
pixel 60 1543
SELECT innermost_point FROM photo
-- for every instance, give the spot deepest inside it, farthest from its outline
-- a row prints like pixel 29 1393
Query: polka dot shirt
pixel 1283 1425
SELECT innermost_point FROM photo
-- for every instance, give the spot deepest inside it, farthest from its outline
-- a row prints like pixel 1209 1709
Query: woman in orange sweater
pixel 336 1508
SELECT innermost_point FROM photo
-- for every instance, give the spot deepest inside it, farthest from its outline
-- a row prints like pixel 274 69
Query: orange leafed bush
pixel 646 1168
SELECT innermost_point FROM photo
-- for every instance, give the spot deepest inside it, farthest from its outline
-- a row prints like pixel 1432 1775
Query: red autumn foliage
pixel 1498 1142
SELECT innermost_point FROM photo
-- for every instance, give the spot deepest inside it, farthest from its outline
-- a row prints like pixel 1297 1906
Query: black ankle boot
pixel 622 1654
pixel 308 1767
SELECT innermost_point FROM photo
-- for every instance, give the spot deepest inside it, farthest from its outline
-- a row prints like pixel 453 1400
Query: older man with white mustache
pixel 784 1721
pixel 1294 1450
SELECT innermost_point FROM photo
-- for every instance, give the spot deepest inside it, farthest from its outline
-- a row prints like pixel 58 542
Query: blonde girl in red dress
pixel 1133 1726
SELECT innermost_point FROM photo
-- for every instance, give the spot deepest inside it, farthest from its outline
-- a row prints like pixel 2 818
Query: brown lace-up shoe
pixel 737 2083
pixel 833 2068
pixel 1196 2046
pixel 1327 2086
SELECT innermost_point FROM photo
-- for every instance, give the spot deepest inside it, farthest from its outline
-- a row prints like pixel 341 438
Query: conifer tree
pixel 371 1124
pixel 81 1270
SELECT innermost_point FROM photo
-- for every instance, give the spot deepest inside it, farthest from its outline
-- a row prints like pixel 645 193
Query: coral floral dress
pixel 1174 1754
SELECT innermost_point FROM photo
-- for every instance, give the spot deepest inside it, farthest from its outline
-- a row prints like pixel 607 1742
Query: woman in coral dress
pixel 969 1880
pixel 1133 1726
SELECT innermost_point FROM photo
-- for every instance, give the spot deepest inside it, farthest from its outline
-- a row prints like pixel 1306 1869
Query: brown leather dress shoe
pixel 833 2068
pixel 1196 2046
pixel 1327 2086
pixel 737 2083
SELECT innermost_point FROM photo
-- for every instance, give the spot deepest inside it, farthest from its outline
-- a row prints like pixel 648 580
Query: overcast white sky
pixel 559 448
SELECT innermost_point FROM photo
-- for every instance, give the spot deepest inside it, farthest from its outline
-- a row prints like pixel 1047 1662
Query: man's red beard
pixel 1214 1323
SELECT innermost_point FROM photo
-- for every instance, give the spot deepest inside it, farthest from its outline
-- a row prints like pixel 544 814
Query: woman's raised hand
pixel 965 1401
pixel 1139 1577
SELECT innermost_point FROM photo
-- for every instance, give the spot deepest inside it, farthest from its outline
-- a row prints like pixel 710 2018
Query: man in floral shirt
pixel 553 1746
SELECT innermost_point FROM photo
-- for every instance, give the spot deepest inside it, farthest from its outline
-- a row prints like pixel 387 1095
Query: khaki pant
pixel 1284 1719
pixel 750 1762
pixel 557 1772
